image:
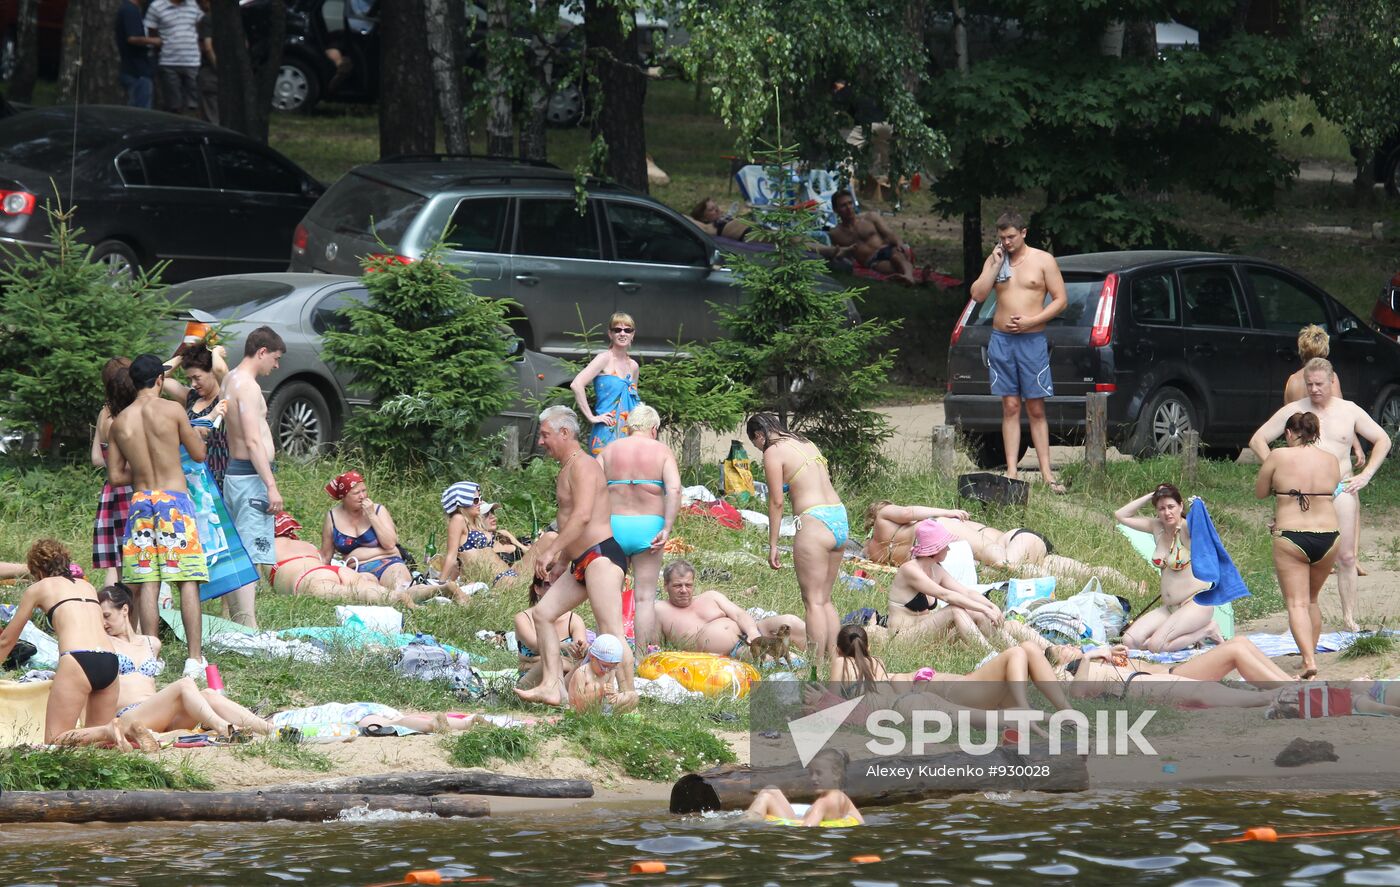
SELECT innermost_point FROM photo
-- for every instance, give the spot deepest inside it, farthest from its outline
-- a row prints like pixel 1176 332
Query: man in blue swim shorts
pixel 1030 292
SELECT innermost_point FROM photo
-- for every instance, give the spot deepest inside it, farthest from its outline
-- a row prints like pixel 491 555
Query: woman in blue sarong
pixel 614 377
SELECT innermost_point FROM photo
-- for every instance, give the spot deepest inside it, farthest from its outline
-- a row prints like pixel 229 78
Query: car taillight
pixel 391 258
pixel 1105 387
pixel 962 321
pixel 299 238
pixel 1103 318
pixel 17 203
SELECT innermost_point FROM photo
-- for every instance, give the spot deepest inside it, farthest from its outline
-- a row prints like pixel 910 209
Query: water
pixel 1120 838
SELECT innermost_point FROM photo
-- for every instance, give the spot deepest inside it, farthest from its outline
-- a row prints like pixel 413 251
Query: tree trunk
pixel 407 120
pixel 89 68
pixel 1365 182
pixel 500 43
pixel 249 60
pixel 534 133
pixel 960 37
pixel 475 782
pixel 178 806
pixel 446 76
pixel 972 244
pixel 26 52
pixel 612 59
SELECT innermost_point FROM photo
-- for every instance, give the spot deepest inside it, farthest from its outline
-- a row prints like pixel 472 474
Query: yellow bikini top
pixel 1178 555
pixel 803 467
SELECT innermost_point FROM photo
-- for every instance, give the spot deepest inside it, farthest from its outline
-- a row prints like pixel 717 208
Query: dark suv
pixel 1179 341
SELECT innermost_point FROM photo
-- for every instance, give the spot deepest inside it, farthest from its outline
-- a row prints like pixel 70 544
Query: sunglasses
pixel 623 329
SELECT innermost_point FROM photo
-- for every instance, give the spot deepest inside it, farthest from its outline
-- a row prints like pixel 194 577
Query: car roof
pixel 1128 260
pixel 432 174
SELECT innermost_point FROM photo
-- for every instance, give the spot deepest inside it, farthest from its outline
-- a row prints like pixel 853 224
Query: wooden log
pixel 439 782
pixel 1096 429
pixel 733 787
pixel 1190 454
pixel 510 447
pixel 945 455
pixel 178 806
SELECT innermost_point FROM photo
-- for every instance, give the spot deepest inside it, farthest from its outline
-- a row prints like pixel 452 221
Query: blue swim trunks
pixel 1020 365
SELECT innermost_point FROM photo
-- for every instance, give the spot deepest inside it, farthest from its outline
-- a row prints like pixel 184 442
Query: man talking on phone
pixel 1018 355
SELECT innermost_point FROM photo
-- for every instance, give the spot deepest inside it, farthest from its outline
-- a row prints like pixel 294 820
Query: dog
pixel 773 647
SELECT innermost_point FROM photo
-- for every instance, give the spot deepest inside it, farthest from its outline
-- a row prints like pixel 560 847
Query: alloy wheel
pixel 299 431
pixel 291 89
pixel 1170 422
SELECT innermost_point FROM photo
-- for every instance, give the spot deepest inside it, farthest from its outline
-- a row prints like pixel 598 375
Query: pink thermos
pixel 213 678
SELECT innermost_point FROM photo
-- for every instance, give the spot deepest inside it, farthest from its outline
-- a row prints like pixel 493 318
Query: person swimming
pixel 833 808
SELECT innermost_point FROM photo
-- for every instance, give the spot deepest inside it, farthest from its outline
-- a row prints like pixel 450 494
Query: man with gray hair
pixel 711 622
pixel 644 495
pixel 1341 422
pixel 583 561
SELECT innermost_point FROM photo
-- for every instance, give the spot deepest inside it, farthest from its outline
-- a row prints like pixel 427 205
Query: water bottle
pixel 430 552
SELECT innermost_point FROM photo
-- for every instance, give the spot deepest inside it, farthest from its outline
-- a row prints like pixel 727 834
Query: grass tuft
pixel 25 768
pixel 483 744
pixel 1369 645
pixel 284 755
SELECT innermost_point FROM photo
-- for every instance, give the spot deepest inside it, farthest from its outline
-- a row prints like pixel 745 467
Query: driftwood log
pixel 443 782
pixel 181 806
pixel 872 782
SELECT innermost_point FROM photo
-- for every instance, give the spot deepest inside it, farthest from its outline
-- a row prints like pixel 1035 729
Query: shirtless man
pixel 644 493
pixel 161 542
pixel 712 623
pixel 594 683
pixel 250 488
pixel 1342 422
pixel 875 244
pixel 595 564
pixel 1020 359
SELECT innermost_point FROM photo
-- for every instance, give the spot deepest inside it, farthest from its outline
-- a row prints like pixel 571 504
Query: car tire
pixel 298 87
pixel 120 259
pixel 1164 420
pixel 301 421
pixel 1388 410
pixel 988 452
pixel 565 106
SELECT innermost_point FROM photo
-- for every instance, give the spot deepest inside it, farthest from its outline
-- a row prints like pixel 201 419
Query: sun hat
pixel 930 537
pixel 606 648
pixel 462 494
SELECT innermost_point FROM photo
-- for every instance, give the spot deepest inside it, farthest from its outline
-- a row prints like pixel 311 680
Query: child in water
pixel 833 808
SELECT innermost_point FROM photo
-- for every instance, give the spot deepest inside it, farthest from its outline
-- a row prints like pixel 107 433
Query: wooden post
pixel 510 447
pixel 177 806
pixel 1096 429
pixel 945 455
pixel 690 447
pixel 1190 454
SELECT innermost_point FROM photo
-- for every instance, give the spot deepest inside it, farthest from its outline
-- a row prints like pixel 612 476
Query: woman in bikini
pixel 1108 673
pixel 300 570
pixel 569 627
pixel 1304 526
pixel 363 533
pixel 1180 622
pixel 614 376
pixel 921 582
pixel 85 681
pixel 112 505
pixel 180 705
pixel 793 463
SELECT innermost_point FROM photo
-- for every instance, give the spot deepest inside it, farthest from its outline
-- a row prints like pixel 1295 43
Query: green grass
pixel 482 745
pixel 25 769
pixel 646 748
pixel 1303 135
pixel 1370 645
pixel 284 756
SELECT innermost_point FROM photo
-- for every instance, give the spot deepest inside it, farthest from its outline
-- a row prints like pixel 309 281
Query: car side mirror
pixel 517 347
pixel 716 259
pixel 1347 325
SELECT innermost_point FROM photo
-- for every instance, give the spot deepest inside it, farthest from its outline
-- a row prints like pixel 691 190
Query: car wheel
pixel 565 106
pixel 8 56
pixel 1163 423
pixel 297 88
pixel 118 258
pixel 1388 411
pixel 301 421
pixel 988 452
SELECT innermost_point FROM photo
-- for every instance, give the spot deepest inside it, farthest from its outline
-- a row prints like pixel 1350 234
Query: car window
pixel 1213 297
pixel 167 165
pixel 363 208
pixel 243 169
pixel 554 228
pixel 1284 305
pixel 1081 290
pixel 1154 300
pixel 477 225
pixel 641 234
pixel 327 313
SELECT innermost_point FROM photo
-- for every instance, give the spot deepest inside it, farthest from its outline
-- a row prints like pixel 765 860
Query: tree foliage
pixel 62 318
pixel 432 354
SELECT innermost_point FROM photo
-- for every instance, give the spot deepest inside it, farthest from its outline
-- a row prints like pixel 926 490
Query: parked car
pixel 150 187
pixel 516 230
pixel 308 400
pixel 307 74
pixel 1385 316
pixel 1180 341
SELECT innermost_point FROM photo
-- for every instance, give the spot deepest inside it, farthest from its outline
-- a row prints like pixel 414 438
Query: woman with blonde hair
pixel 613 374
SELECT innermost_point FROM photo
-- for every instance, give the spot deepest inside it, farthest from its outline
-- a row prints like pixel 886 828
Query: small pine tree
pixel 433 355
pixel 62 317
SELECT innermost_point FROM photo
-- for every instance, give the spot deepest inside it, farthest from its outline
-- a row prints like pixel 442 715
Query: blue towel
pixel 1210 562
pixel 1004 274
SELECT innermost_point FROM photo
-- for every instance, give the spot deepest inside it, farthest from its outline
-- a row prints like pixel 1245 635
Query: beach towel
pixel 922 275
pixel 1210 562
pixel 1282 644
pixel 22 709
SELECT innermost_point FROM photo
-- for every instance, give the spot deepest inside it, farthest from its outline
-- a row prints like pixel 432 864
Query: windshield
pixel 225 298
pixel 1083 293
pixel 47 141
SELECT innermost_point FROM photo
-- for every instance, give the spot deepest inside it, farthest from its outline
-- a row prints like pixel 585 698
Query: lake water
pixel 1092 838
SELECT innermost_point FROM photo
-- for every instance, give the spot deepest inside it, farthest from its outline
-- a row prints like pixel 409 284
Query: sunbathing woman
pixel 833 808
pixel 180 705
pixel 569 626
pixel 86 677
pixel 363 533
pixel 1180 622
pixel 300 570
pixel 1304 527
pixel 1107 672
pixel 488 549
pixel 922 581
pixel 1237 655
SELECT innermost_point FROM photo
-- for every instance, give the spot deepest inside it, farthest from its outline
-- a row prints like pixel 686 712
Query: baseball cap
pixel 606 648
pixel 486 507
pixel 930 537
pixel 145 369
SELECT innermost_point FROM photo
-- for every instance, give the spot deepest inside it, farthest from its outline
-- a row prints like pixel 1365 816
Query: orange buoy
pixel 423 876
pixel 1262 833
pixel 865 859
pixel 648 867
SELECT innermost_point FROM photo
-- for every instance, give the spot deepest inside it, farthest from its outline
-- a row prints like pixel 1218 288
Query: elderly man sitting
pixel 710 622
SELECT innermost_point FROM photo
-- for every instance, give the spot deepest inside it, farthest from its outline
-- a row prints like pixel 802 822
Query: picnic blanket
pixel 22 712
pixel 1272 645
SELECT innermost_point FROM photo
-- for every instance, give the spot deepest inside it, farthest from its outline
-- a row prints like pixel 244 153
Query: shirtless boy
pixel 1342 422
pixel 712 623
pixel 1018 353
pixel 875 244
pixel 594 683
pixel 161 542
pixel 250 488
pixel 583 561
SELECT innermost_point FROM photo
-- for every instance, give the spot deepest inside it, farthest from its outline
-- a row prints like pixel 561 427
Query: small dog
pixel 774 647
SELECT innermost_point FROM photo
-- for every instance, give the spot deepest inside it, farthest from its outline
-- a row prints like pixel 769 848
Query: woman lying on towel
pixel 300 570
pixel 180 705
pixel 1107 672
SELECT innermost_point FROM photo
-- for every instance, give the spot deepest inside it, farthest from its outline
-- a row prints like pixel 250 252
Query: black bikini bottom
pixel 99 666
pixel 1313 545
pixel 1049 549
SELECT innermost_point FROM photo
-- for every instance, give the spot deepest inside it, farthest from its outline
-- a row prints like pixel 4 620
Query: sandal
pixel 378 730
